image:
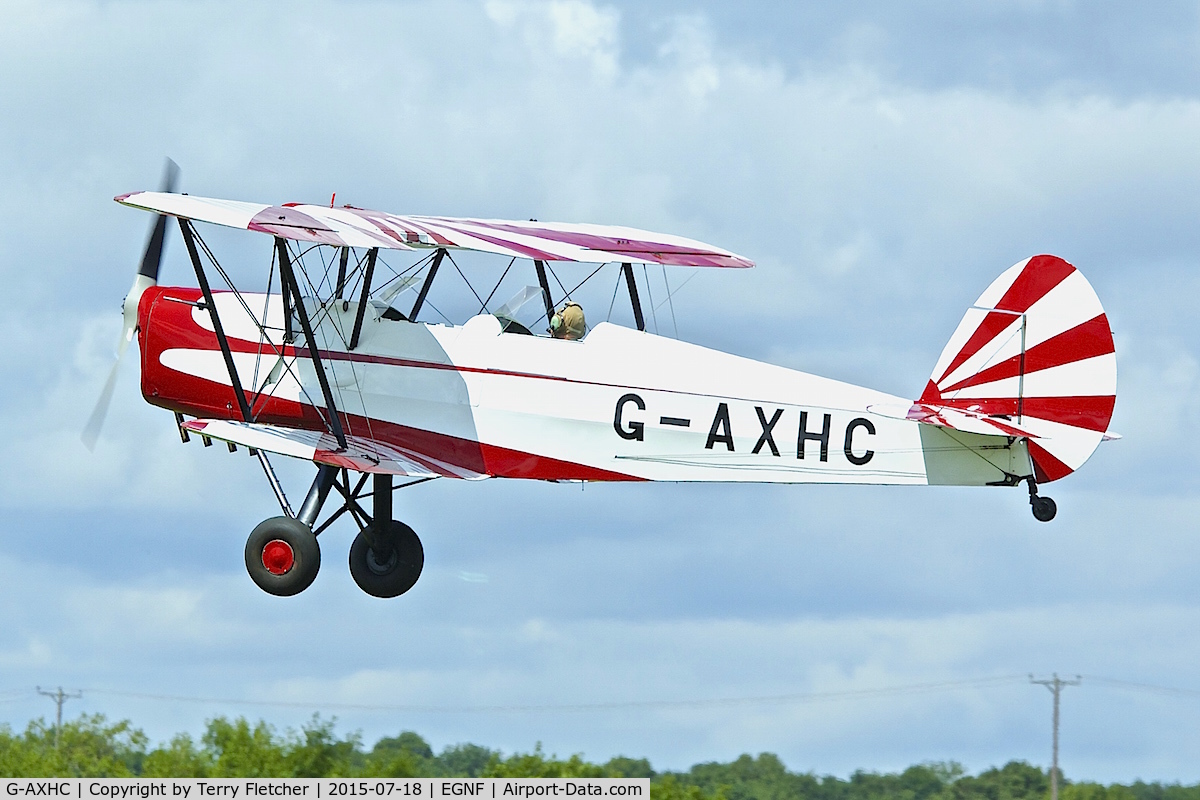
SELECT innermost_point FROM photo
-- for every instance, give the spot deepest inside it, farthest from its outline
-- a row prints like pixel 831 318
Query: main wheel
pixel 389 574
pixel 282 556
pixel 1044 508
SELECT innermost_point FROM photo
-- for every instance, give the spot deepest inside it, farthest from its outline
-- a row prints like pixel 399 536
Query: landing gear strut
pixel 1043 508
pixel 282 555
pixel 386 558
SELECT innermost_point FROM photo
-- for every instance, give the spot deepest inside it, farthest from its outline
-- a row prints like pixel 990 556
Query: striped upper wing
pixel 1034 356
pixel 357 227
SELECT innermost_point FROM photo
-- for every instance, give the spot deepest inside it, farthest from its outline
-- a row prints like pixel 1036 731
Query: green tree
pixel 750 778
pixel 1158 791
pixel 88 747
pixel 241 751
pixel 668 787
pixel 538 765
pixel 91 746
pixel 317 753
pixel 1016 780
pixel 622 767
pixel 1095 791
pixel 467 761
pixel 179 758
pixel 407 755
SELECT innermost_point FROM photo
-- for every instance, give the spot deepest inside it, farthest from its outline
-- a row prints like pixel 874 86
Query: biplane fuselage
pixel 472 401
pixel 328 370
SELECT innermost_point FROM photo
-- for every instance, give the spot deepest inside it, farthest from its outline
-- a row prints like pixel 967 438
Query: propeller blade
pixel 95 423
pixel 152 258
pixel 91 431
pixel 147 276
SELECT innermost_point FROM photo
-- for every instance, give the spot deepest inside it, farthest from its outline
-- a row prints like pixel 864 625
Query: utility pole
pixel 59 698
pixel 1055 685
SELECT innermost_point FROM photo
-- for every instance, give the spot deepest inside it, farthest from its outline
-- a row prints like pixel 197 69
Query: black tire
pixel 1044 508
pixel 391 576
pixel 282 556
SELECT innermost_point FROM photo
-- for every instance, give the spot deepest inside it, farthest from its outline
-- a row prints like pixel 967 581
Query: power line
pixel 799 697
pixel 851 694
pixel 1142 687
pixel 1055 685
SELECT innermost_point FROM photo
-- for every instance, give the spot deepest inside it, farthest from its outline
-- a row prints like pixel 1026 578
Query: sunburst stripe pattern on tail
pixel 1035 349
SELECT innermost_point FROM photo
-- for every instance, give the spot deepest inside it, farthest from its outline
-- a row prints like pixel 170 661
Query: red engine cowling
pixel 166 322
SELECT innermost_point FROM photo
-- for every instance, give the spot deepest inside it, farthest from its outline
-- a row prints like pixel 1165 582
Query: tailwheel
pixel 282 556
pixel 386 565
pixel 1044 508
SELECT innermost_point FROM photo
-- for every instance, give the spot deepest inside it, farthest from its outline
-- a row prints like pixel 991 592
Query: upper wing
pixel 357 227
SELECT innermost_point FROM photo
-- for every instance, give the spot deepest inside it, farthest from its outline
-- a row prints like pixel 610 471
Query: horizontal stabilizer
pixel 361 454
pixel 969 421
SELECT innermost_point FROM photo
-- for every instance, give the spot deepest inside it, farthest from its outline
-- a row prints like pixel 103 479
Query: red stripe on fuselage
pixel 166 325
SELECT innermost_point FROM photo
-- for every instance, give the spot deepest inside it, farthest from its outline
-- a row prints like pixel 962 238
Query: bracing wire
pixel 670 302
pixel 467 282
pixel 496 288
pixel 567 295
pixel 262 334
pixel 554 275
pixel 613 302
pixel 245 307
pixel 650 297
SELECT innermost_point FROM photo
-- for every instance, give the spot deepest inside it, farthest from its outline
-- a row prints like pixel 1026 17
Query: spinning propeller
pixel 147 276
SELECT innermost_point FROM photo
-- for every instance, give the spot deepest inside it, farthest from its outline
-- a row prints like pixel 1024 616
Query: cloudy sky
pixel 881 162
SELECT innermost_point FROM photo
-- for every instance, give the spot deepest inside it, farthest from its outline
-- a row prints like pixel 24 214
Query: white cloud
pixel 877 210
pixel 574 30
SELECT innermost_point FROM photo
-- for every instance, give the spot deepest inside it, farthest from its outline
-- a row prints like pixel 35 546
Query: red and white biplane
pixel 328 369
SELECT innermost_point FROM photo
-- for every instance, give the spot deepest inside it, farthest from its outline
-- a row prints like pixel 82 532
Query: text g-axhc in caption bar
pixel 322 788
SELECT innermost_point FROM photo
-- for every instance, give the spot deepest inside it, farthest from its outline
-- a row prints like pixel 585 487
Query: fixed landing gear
pixel 1043 508
pixel 386 558
pixel 386 565
pixel 282 556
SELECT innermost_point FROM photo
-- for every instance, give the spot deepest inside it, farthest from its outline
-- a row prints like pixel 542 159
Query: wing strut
pixel 289 335
pixel 372 254
pixel 433 268
pixel 272 479
pixel 190 241
pixel 341 284
pixel 627 268
pixel 289 279
pixel 541 273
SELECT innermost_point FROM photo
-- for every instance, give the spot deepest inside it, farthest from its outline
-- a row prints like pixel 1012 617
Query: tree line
pixel 92 746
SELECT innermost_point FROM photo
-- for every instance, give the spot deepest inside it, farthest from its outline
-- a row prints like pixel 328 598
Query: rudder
pixel 1033 357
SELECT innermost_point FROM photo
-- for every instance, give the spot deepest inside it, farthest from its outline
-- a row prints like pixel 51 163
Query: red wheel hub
pixel 278 557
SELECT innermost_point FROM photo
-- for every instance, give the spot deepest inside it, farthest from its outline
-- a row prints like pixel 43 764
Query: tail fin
pixel 1034 357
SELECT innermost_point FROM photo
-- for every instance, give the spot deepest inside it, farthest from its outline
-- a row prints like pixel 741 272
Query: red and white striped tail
pixel 1034 354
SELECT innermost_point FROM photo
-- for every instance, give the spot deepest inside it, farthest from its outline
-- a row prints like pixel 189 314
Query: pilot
pixel 568 322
